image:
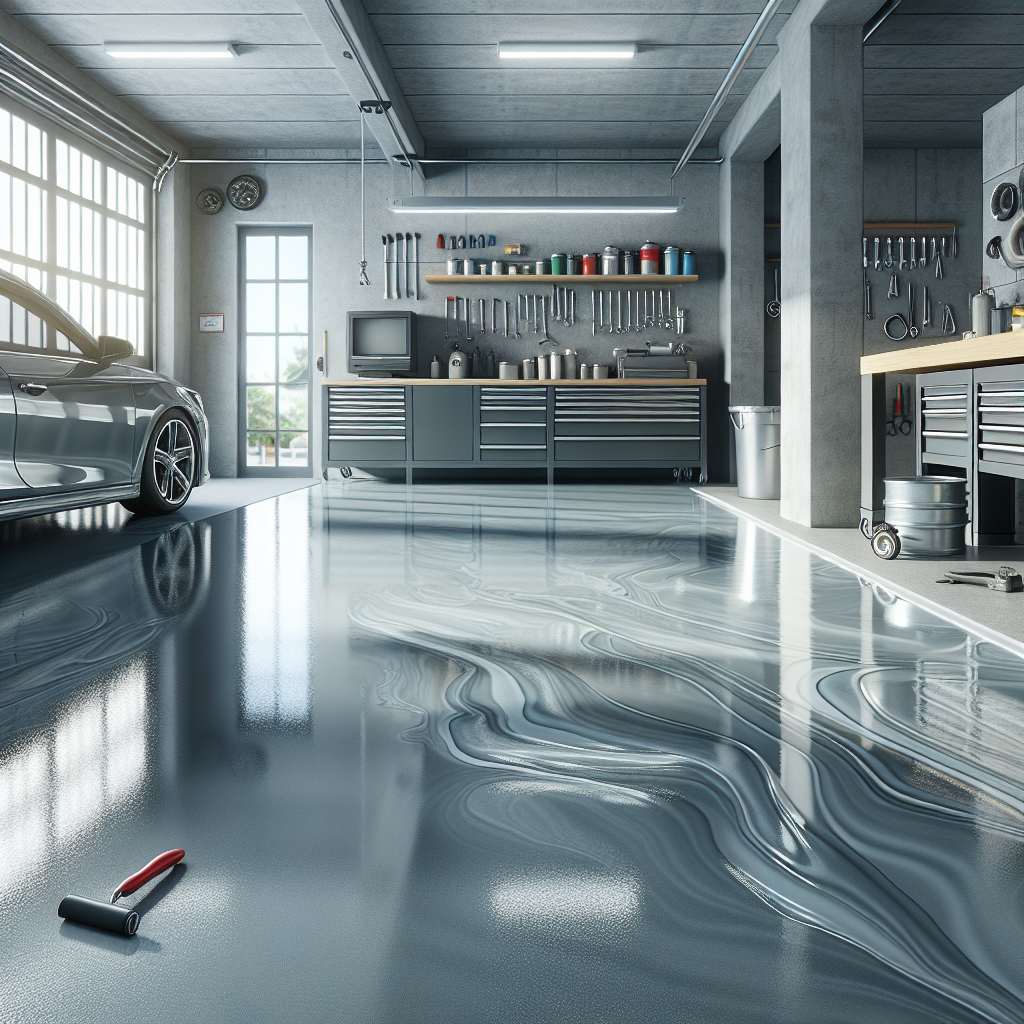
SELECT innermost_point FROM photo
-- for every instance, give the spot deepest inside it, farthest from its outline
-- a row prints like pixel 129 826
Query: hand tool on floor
pixel 774 308
pixel 868 315
pixel 894 286
pixel 109 916
pixel 878 257
pixel 913 252
pixel 888 253
pixel 1005 579
pixel 416 262
pixel 864 246
pixel 948 323
pixel 387 269
pixel 923 258
pixel 911 310
pixel 903 259
pixel 927 309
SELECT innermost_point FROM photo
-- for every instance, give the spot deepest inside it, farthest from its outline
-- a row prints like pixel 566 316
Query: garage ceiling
pixel 930 70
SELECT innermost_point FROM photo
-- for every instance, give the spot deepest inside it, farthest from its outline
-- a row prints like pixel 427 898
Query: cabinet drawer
pixel 610 426
pixel 513 434
pixel 369 451
pixel 513 453
pixel 652 449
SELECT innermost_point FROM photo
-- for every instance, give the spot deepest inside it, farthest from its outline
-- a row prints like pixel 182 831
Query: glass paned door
pixel 274 363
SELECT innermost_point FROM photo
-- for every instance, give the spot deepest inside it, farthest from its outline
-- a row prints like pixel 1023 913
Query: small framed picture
pixel 211 323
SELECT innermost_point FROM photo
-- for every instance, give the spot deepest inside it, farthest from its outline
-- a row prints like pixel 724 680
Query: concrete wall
pixel 921 185
pixel 327 197
pixel 1003 160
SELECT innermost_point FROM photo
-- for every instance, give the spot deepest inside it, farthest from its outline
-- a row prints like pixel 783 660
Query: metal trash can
pixel 929 514
pixel 758 436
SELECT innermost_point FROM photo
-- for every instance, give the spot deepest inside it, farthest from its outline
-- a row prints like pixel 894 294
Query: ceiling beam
pixel 348 37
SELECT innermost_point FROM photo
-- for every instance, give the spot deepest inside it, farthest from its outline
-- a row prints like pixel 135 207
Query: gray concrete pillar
pixel 822 225
pixel 741 314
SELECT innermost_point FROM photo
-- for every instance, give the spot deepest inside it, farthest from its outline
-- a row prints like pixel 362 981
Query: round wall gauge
pixel 245 192
pixel 210 201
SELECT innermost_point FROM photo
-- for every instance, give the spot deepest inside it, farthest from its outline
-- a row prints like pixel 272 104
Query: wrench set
pixel 902 255
pixel 403 253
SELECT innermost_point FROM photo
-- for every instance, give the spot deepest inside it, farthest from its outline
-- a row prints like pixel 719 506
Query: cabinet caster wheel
pixel 702 479
pixel 885 542
pixel 346 472
pixel 323 473
pixel 677 474
pixel 866 527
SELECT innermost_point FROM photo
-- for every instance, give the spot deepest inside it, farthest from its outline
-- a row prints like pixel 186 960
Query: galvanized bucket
pixel 929 513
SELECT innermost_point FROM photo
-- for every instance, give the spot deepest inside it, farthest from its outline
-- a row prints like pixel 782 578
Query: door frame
pixel 246 231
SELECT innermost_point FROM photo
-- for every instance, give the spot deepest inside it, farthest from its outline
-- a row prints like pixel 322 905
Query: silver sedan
pixel 78 427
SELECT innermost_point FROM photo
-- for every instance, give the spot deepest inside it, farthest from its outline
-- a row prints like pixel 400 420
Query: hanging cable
pixel 363 279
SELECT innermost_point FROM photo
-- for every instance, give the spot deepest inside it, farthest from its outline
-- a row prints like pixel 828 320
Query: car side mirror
pixel 112 349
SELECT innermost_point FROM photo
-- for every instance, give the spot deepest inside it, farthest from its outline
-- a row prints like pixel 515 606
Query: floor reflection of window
pixel 276 688
pixel 61 782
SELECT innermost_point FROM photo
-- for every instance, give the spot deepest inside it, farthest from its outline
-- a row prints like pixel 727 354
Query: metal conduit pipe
pixel 483 160
pixel 729 81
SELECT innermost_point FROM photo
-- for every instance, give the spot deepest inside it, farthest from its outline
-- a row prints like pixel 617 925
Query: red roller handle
pixel 155 867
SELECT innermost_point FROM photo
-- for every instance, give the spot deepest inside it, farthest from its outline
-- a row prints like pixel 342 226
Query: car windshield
pixel 37 305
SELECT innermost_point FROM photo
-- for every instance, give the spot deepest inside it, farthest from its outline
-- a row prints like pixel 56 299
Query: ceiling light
pixel 536 204
pixel 566 51
pixel 183 51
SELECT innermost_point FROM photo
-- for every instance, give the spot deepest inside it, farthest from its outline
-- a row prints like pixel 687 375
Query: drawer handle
pixel 943 433
pixel 1001 428
pixel 627 437
pixel 365 437
pixel 1004 448
pixel 513 447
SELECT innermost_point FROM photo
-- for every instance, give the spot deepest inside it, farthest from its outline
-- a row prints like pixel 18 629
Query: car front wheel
pixel 169 467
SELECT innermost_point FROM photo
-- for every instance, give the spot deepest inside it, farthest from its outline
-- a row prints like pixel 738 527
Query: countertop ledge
pixel 496 382
pixel 988 349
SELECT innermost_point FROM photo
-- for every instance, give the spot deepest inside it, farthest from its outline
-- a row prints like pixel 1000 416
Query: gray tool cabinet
pixel 542 426
pixel 971 424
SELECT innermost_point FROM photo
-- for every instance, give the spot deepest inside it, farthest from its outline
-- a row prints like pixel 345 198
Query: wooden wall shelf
pixel 594 279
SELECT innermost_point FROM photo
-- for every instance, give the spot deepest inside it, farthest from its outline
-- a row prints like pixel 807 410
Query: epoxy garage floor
pixel 488 754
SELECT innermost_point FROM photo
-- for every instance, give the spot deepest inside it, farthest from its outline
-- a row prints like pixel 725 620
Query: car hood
pixel 141 373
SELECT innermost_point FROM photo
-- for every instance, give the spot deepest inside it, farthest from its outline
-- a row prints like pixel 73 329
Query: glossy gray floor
pixel 498 754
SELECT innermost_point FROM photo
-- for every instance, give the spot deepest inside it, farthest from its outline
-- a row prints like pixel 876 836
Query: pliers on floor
pixel 1003 579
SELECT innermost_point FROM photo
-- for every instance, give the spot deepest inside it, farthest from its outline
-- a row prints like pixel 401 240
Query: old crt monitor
pixel 381 344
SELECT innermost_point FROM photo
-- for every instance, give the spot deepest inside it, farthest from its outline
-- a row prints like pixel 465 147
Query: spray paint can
pixel 558 260
pixel 454 267
pixel 497 267
pixel 671 258
pixel 543 266
pixel 628 262
pixel 689 263
pixel 589 263
pixel 610 260
pixel 649 258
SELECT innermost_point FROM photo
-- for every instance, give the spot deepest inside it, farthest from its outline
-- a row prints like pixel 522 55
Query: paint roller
pixel 110 916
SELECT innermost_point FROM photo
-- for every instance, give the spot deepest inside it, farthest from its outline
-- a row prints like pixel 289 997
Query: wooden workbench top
pixel 495 382
pixel 987 350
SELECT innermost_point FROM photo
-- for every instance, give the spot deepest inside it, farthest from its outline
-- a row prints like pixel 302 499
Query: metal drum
pixel 929 513
pixel 758 460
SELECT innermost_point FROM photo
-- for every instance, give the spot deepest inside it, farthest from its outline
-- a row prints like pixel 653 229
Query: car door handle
pixel 32 389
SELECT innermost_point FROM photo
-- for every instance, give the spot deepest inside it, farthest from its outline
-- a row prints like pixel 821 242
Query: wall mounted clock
pixel 210 201
pixel 245 192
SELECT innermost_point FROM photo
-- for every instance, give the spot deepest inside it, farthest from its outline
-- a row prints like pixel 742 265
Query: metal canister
pixel 497 267
pixel 513 269
pixel 469 266
pixel 671 257
pixel 558 260
pixel 650 256
pixel 530 368
pixel 485 267
pixel 628 262
pixel 555 360
pixel 543 266
pixel 584 372
pixel 610 260
pixel 689 263
pixel 571 263
pixel 589 263
pixel 454 267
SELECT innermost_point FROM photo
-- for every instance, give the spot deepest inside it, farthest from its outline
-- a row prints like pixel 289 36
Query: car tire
pixel 169 467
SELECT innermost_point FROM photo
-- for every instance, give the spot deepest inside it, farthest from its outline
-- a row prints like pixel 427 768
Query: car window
pixel 21 330
pixel 43 364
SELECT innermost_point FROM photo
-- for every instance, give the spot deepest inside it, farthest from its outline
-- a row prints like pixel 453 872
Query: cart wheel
pixel 885 542
pixel 865 527
pixel 677 473
pixel 702 479
pixel 346 472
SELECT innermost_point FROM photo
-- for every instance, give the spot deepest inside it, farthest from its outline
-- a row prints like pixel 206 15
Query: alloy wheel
pixel 174 461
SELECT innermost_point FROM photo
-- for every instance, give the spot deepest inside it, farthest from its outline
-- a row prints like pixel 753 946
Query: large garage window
pixel 274 358
pixel 74 224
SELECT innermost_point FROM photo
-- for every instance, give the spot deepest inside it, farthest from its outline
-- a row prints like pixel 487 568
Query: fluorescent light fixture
pixel 566 51
pixel 182 51
pixel 536 204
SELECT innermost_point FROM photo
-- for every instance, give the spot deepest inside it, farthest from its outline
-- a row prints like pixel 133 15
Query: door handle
pixel 32 389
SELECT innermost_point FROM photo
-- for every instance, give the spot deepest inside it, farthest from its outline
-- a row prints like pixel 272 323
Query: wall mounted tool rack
pixel 594 279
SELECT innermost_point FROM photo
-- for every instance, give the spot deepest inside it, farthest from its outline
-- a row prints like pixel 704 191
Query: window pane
pixel 293 407
pixel 294 254
pixel 259 359
pixel 259 257
pixel 294 359
pixel 259 450
pixel 5 319
pixel 259 308
pixel 294 450
pixel 259 408
pixel 5 212
pixel 294 308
